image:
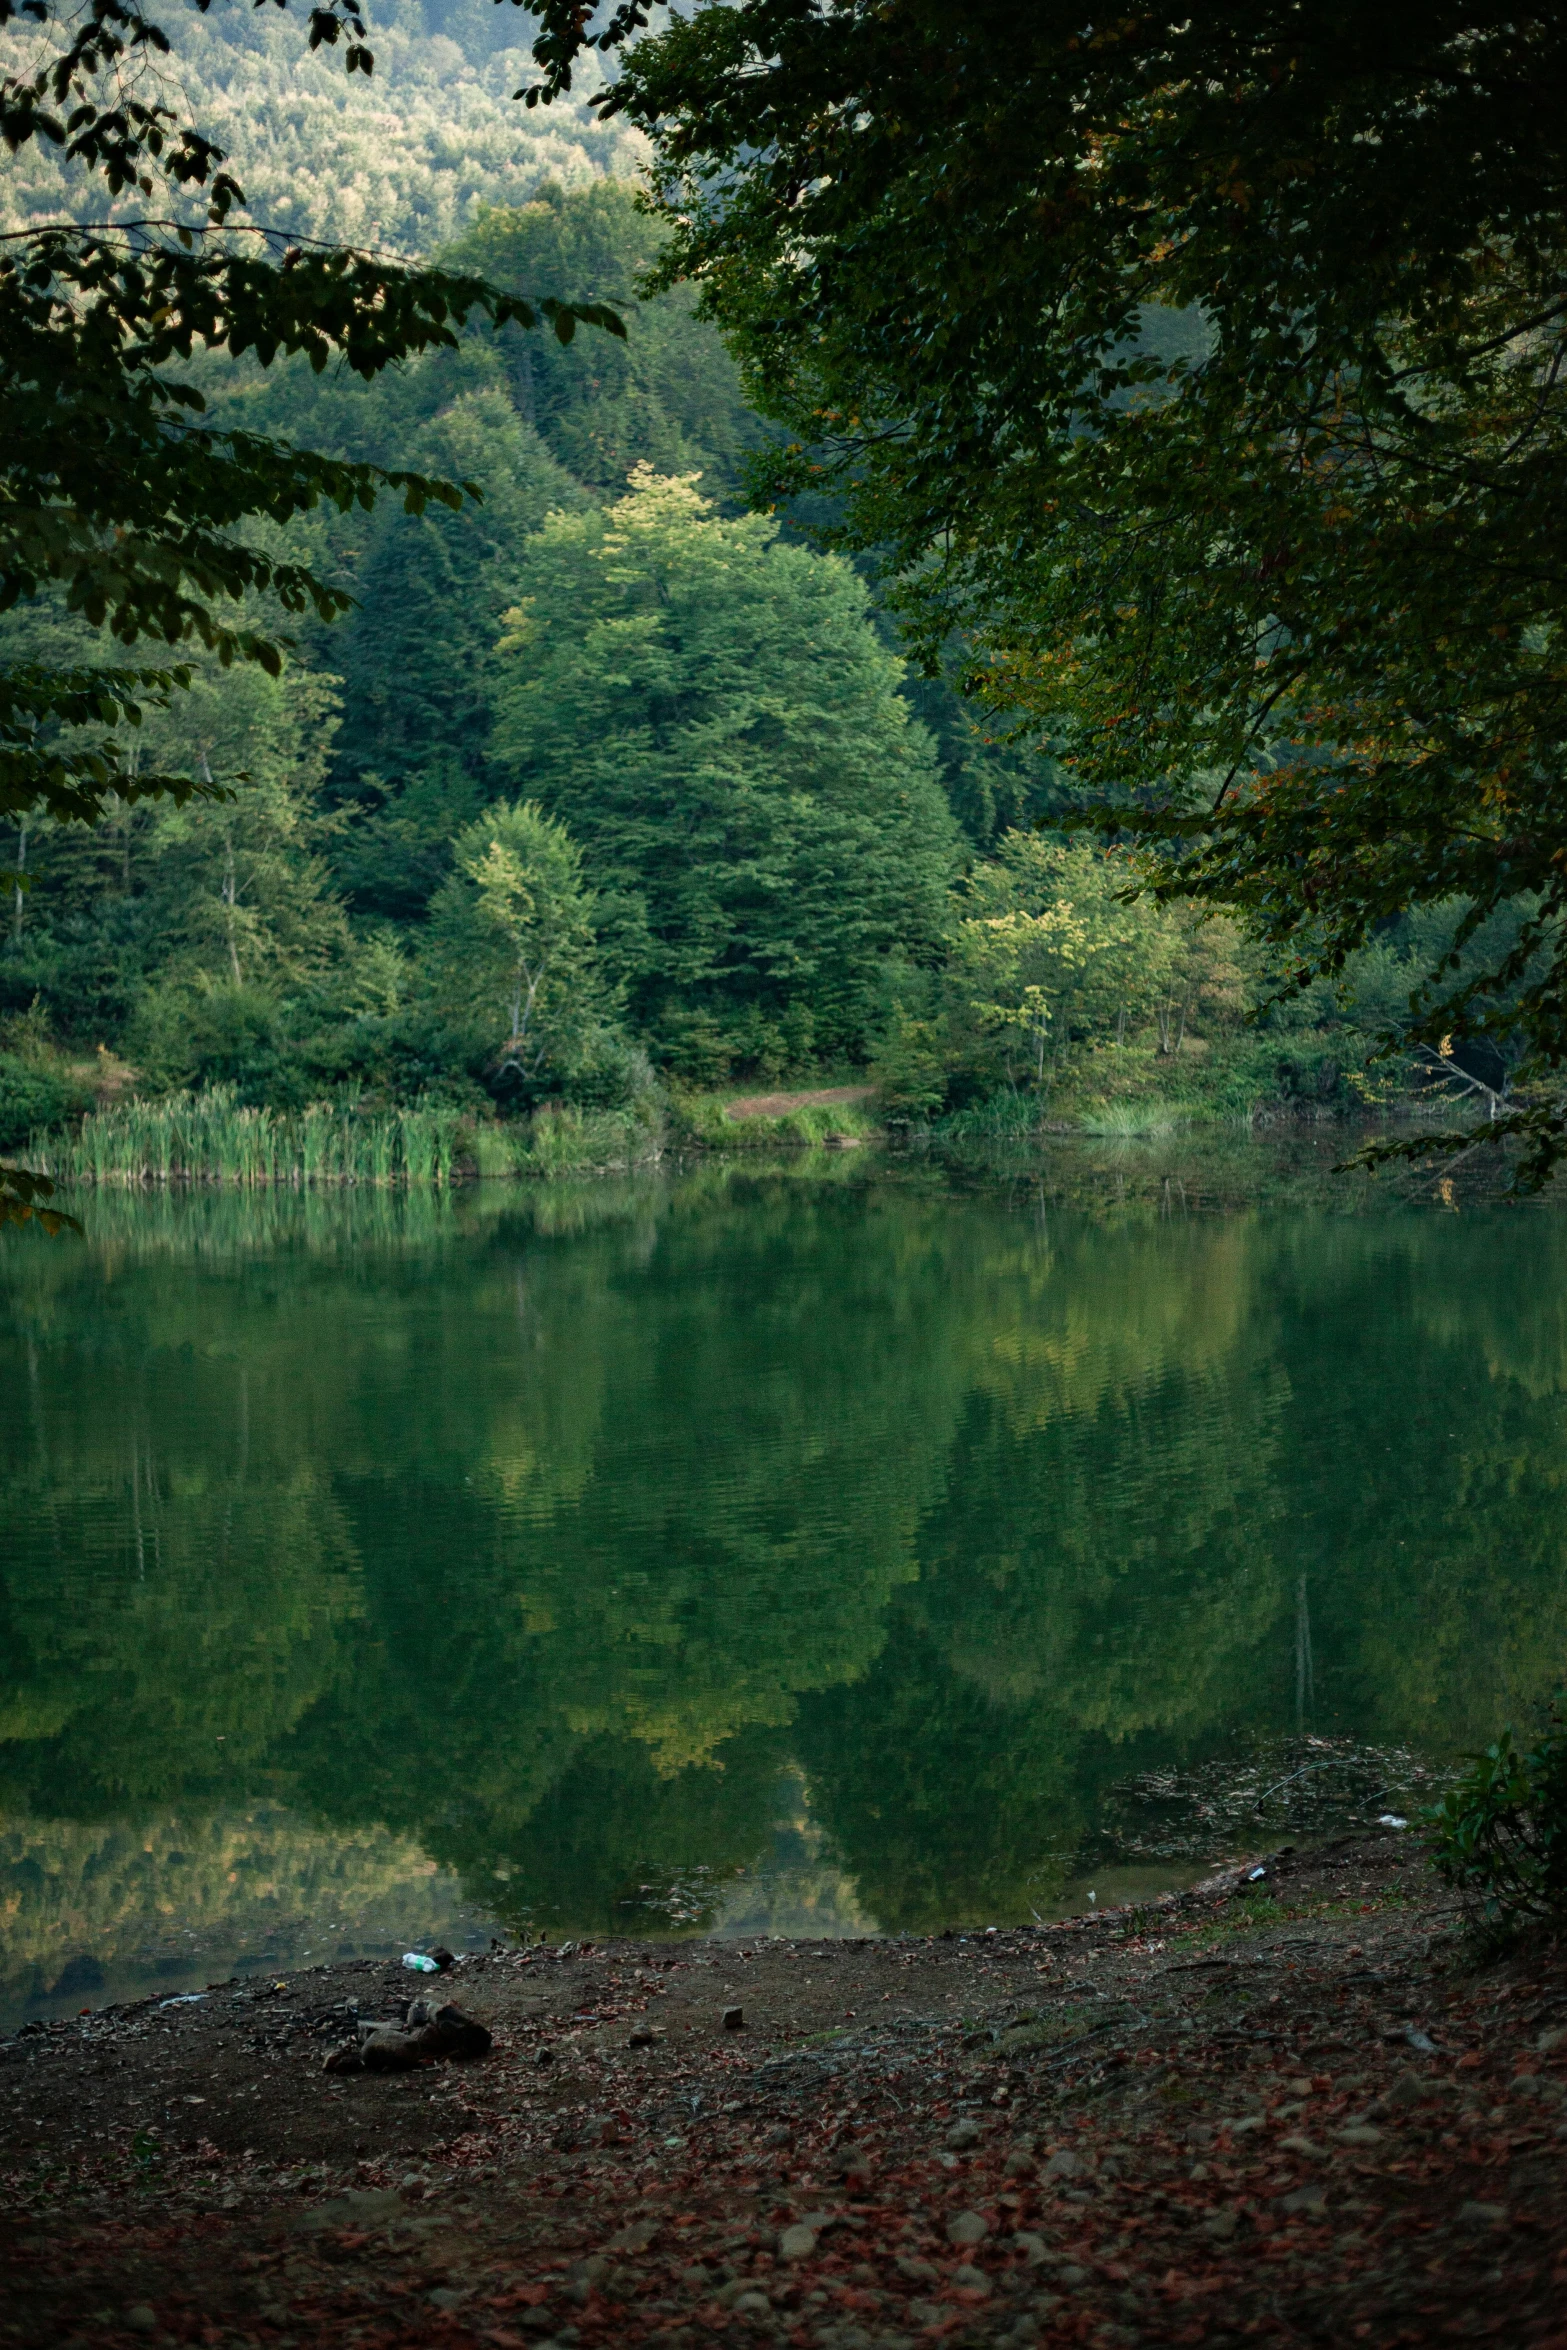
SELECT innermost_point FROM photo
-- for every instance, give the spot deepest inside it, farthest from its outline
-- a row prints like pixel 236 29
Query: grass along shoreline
pixel 213 1138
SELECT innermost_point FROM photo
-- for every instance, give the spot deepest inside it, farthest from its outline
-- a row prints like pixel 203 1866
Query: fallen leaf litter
pixel 1295 2113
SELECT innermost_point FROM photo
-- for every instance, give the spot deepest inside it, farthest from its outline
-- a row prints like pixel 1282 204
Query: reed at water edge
pixel 210 1137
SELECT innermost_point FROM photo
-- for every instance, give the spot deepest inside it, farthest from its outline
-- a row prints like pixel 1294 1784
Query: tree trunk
pixel 230 902
pixel 17 893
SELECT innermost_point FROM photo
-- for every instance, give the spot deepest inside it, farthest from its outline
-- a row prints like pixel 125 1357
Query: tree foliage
pixel 711 713
pixel 511 939
pixel 118 490
pixel 1206 369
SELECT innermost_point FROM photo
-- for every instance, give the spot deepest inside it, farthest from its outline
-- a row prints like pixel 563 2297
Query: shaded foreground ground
pixel 1294 2114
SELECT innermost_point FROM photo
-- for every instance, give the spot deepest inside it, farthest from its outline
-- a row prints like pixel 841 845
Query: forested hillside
pixel 405 158
pixel 605 783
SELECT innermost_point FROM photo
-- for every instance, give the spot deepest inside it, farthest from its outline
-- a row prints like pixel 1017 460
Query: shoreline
pixel 1296 2112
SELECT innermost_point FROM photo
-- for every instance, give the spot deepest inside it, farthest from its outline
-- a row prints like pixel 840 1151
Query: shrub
pixel 910 1071
pixel 1005 1116
pixel 1499 1835
pixel 33 1097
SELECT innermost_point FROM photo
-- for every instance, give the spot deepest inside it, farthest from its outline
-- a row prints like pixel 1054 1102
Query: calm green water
pixel 842 1547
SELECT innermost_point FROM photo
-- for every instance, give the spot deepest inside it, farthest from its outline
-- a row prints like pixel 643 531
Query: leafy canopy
pixel 117 490
pixel 1204 367
pixel 512 940
pixel 712 714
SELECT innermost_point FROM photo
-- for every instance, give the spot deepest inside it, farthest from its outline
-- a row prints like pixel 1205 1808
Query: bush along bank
pixel 1282 2107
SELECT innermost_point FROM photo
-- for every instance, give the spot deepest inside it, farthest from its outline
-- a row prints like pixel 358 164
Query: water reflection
pixel 580 1542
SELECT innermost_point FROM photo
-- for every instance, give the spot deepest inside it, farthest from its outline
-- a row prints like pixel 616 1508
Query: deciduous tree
pixel 1205 367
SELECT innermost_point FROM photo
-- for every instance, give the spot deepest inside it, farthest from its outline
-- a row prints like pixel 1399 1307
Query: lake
pixel 848 1545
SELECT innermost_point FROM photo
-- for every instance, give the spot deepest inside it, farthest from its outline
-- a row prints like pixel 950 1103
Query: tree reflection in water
pixel 551 1533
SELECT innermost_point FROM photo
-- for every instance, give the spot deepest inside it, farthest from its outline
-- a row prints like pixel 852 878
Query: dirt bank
pixel 1295 2113
pixel 779 1105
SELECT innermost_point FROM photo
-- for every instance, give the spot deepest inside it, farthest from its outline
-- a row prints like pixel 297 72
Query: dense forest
pixel 609 788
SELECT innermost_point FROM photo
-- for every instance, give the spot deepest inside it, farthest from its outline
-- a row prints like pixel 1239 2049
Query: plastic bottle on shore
pixel 418 1964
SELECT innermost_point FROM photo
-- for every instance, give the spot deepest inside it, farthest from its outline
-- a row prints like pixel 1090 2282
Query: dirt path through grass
pixel 779 1105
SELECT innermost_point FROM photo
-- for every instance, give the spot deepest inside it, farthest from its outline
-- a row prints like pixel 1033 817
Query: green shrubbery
pixel 1499 1836
pixel 33 1096
pixel 699 1121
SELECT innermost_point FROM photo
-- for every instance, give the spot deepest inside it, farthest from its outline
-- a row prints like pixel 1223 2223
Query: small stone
pixel 635 2238
pixel 915 2271
pixel 1032 2247
pixel 797 2243
pixel 1309 2202
pixel 1071 2274
pixel 1247 2123
pixel 1481 2215
pixel 964 2134
pixel 1408 2089
pixel 968 2227
pixel 1359 2134
pixel 644 2036
pixel 1552 2039
pixel 734 2019
pixel 141 2319
pixel 751 2303
pixel 1308 2150
pixel 1019 2165
pixel 1065 2165
pixel 361 2207
pixel 446 2297
pixel 1221 2225
pixel 972 2280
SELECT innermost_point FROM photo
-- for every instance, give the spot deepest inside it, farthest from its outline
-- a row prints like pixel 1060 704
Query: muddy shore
pixel 1294 2111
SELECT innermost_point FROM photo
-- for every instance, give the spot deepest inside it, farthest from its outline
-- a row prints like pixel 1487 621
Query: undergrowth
pixel 210 1137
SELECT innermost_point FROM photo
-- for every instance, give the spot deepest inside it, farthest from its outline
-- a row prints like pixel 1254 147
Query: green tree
pixel 118 489
pixel 238 892
pixel 1048 950
pixel 1206 370
pixel 512 943
pixel 712 713
pixel 666 394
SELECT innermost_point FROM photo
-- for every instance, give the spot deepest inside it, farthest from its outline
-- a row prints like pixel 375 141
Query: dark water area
pixel 846 1547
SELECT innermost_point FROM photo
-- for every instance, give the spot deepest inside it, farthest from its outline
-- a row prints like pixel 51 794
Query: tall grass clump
pixel 565 1140
pixel 1003 1117
pixel 211 1137
pixel 1132 1121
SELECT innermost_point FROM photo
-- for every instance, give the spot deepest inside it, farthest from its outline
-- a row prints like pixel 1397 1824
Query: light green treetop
pixel 713 714
pixel 512 937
